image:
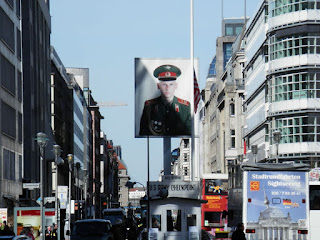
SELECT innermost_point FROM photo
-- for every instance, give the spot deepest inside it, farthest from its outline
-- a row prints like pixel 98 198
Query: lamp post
pixel 78 166
pixel 58 161
pixel 70 161
pixel 42 141
pixel 276 138
pixel 85 171
pixel 254 149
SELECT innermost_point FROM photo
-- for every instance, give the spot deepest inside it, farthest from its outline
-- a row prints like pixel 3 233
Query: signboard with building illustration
pixel 276 203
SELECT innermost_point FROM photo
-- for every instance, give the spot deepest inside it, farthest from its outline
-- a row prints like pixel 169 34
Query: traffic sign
pixel 49 199
pixel 31 185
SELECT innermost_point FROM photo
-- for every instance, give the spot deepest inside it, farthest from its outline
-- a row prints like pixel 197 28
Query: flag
pixel 286 202
pixel 244 147
pixel 196 92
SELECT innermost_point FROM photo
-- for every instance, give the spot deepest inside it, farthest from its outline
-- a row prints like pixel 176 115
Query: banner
pixel 163 97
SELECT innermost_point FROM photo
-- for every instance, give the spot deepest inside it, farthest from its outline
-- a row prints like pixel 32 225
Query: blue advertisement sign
pixel 276 195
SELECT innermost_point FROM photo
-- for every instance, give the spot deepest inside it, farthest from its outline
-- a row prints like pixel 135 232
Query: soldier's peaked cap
pixel 167 72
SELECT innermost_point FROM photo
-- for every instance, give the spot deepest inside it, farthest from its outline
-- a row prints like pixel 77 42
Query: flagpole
pixel 192 149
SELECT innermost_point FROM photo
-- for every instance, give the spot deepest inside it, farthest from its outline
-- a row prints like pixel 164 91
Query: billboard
pixel 163 92
pixel 276 203
pixel 30 216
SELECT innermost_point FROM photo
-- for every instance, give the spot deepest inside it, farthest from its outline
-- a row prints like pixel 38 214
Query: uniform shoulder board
pixel 148 102
pixel 184 102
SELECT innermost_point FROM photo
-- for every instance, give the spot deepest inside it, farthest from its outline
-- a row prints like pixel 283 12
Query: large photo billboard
pixel 163 92
pixel 276 203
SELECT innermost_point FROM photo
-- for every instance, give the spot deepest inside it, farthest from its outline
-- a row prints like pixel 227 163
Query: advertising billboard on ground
pixel 30 217
pixel 276 204
pixel 163 92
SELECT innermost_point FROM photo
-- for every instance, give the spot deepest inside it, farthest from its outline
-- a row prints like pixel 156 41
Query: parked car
pixel 92 229
pixel 19 237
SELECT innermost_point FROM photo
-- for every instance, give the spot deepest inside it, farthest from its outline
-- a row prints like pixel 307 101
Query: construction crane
pixel 111 104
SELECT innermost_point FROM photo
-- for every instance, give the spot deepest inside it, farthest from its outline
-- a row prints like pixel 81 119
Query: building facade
pixel 223 97
pixel 11 105
pixel 282 81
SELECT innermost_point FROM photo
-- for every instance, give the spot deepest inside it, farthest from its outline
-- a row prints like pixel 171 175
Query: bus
pixel 214 212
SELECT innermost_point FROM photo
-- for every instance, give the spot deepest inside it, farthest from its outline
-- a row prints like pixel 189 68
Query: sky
pixel 106 36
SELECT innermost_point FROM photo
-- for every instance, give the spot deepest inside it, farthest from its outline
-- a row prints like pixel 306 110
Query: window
pixel 19 82
pixel 227 52
pixel 191 220
pixel 173 220
pixel 20 127
pixel 8 120
pixel 185 143
pixel 120 196
pixel 293 45
pixel 20 168
pixel 156 221
pixel 9 164
pixel 185 157
pixel 295 86
pixel 6 30
pixel 8 80
pixel 304 128
pixel 185 171
pixel 233 138
pixel 233 29
pixel 282 7
pixel 18 44
pixel 232 109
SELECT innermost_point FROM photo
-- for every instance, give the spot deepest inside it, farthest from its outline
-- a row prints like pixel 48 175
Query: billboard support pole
pixel 148 190
pixel 167 155
pixel 192 171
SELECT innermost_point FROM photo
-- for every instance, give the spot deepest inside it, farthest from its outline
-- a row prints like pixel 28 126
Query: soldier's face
pixel 167 88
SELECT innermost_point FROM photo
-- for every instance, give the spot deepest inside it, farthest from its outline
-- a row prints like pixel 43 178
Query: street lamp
pixel 254 149
pixel 58 161
pixel 277 138
pixel 42 141
pixel 78 167
pixel 85 171
pixel 70 161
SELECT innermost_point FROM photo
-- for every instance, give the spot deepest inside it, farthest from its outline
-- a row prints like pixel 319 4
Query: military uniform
pixel 166 120
pixel 169 117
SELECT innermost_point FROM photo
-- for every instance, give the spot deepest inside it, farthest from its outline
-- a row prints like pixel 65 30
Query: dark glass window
pixel 9 164
pixel 18 8
pixel 7 75
pixel 19 82
pixel 227 47
pixel 8 120
pixel 10 3
pixel 6 30
pixel 18 44
pixel 20 127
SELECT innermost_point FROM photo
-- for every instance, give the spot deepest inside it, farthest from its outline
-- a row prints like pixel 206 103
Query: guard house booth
pixel 177 215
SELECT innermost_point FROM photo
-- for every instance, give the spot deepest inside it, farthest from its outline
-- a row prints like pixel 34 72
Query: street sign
pixel 31 185
pixel 49 199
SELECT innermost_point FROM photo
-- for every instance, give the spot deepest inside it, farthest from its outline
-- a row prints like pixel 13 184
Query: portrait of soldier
pixel 166 115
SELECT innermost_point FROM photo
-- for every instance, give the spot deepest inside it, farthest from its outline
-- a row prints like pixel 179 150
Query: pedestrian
pixel 48 233
pixel 1 230
pixel 30 233
pixel 239 234
pixel 5 228
pixel 166 115
pixel 55 232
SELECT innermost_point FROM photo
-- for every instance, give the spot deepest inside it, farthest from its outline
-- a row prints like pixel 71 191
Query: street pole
pixel 42 141
pixel 85 192
pixel 58 161
pixel 148 191
pixel 70 162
